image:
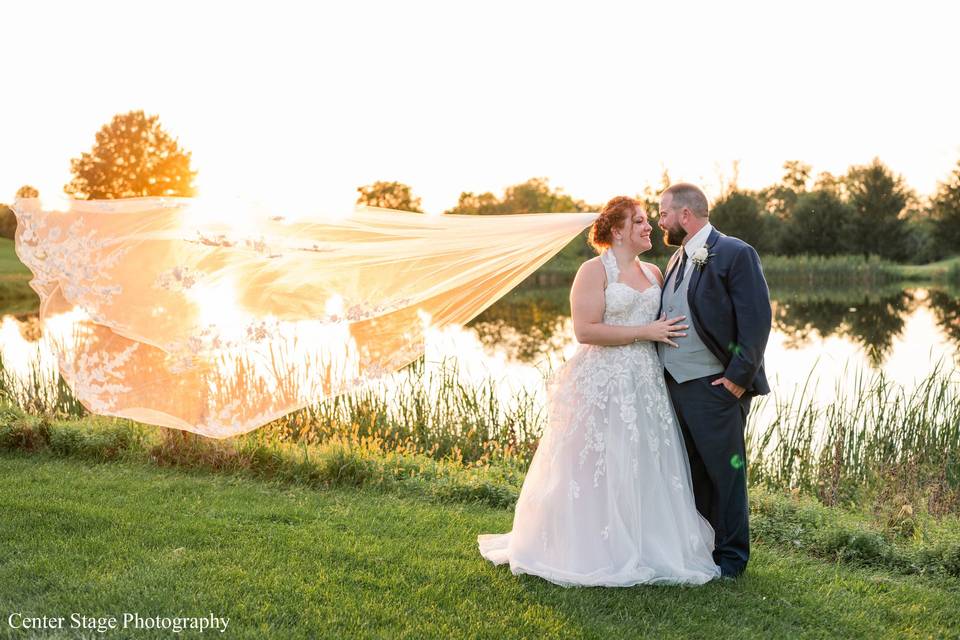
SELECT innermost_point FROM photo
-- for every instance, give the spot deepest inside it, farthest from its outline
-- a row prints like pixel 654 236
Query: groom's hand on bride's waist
pixel 732 387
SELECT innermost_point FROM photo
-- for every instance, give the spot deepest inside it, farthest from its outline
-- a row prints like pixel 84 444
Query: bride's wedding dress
pixel 608 499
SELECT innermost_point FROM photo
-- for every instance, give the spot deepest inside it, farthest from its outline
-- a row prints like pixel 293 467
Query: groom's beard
pixel 674 236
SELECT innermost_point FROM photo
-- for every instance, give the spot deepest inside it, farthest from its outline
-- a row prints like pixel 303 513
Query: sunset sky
pixel 303 102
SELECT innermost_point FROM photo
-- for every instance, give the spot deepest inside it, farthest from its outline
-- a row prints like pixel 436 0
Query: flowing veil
pixel 180 319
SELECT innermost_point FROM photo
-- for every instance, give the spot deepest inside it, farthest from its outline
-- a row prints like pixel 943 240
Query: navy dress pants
pixel 712 421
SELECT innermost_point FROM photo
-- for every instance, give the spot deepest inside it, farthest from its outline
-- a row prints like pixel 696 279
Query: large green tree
pixel 533 196
pixel 817 224
pixel 389 195
pixel 879 199
pixel 777 199
pixel 132 157
pixel 945 212
pixel 477 204
pixel 739 214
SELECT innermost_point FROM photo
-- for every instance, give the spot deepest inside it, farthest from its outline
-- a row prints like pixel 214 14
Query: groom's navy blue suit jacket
pixel 730 304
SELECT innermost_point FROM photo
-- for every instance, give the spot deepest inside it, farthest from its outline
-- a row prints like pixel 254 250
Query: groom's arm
pixel 751 305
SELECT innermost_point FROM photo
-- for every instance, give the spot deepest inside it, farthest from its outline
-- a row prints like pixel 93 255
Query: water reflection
pixel 529 324
pixel 946 310
pixel 529 332
pixel 870 320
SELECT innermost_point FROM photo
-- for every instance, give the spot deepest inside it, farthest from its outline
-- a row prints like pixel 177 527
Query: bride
pixel 186 314
pixel 608 499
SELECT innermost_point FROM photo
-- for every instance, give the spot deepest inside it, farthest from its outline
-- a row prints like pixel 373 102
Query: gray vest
pixel 690 358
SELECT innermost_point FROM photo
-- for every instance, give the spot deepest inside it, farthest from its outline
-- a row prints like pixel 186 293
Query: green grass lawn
pixel 16 296
pixel 9 262
pixel 289 561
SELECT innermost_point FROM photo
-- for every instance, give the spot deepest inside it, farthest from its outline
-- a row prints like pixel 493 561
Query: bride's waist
pixel 642 346
pixel 635 356
pixel 626 321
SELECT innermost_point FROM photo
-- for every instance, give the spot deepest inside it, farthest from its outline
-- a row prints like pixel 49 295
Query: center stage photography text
pixel 105 624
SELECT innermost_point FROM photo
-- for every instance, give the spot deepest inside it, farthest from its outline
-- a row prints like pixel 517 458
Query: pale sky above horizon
pixel 304 102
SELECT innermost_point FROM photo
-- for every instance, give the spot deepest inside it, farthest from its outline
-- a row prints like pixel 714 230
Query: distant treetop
pixel 533 196
pixel 133 157
pixel 389 195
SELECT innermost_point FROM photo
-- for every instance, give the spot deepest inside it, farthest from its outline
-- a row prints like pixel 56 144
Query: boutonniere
pixel 700 257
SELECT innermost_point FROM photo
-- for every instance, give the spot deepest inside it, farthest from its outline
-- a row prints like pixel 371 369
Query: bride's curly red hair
pixel 611 216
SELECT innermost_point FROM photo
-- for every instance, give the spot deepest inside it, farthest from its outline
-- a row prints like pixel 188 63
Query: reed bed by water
pixel 829 270
pixel 431 410
pixel 953 273
pixel 788 271
pixel 875 440
pixel 833 293
pixel 39 391
pixel 874 443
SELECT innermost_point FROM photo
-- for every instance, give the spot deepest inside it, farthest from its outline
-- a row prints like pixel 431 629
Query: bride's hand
pixel 663 329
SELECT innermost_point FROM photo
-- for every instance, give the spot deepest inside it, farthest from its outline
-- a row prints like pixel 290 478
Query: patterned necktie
pixel 681 270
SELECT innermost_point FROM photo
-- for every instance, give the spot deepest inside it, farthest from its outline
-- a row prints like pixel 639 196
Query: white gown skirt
pixel 608 499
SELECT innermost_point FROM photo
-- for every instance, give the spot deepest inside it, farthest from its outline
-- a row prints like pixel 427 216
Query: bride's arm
pixel 586 307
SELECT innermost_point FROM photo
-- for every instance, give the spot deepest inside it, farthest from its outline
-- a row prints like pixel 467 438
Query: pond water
pixel 822 337
pixel 897 330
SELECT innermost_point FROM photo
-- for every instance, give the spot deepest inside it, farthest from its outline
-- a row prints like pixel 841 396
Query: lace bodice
pixel 625 305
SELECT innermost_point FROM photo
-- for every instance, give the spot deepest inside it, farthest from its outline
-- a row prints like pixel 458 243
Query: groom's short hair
pixel 690 196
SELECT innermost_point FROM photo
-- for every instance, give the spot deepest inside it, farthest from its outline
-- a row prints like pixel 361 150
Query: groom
pixel 717 283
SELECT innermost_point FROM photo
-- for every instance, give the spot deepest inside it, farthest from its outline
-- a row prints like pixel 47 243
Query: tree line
pixel 870 210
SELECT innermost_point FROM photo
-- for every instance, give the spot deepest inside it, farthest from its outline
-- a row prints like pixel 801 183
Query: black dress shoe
pixel 729 574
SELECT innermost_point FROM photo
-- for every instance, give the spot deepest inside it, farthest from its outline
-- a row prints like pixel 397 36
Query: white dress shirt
pixel 698 240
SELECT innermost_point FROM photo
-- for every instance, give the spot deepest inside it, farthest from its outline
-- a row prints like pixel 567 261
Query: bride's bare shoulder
pixel 591 268
pixel 590 272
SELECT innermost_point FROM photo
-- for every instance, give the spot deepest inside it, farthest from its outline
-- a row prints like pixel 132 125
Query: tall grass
pixel 433 410
pixel 783 270
pixel 953 273
pixel 873 442
pixel 820 270
pixel 426 409
pixel 39 391
pixel 793 271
